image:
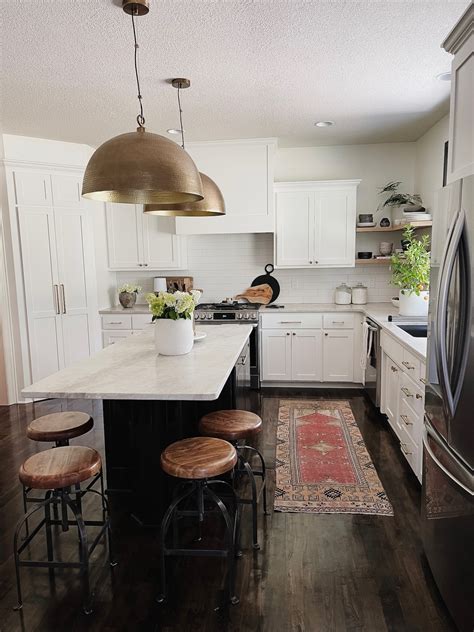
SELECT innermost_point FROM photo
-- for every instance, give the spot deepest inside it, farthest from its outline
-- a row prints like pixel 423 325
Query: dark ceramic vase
pixel 127 299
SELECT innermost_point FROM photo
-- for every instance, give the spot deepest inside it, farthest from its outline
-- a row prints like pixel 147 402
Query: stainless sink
pixel 417 331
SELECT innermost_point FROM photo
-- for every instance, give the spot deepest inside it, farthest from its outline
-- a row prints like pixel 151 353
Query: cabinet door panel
pixel 276 347
pixel 391 392
pixel 334 228
pixel 76 295
pixel 40 271
pixel 111 337
pixel 295 228
pixel 161 246
pixel 306 355
pixel 338 356
pixel 124 236
pixel 66 190
pixel 32 188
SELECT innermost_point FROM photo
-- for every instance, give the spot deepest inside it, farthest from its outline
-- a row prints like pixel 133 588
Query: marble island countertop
pixel 131 369
pixel 378 312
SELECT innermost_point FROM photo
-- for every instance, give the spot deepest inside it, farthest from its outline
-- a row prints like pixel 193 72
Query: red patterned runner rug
pixel 322 463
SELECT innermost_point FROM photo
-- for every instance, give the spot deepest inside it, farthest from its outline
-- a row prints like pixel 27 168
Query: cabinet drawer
pixel 116 321
pixel 113 337
pixel 140 321
pixel 411 365
pixel 392 348
pixel 411 451
pixel 338 321
pixel 410 421
pixel 410 392
pixel 291 321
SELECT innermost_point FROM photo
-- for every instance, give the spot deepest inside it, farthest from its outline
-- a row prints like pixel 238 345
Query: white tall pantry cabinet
pixel 55 268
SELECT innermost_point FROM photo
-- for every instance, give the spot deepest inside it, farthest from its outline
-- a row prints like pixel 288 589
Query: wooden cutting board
pixel 258 294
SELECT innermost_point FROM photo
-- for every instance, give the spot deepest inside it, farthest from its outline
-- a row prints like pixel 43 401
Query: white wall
pixel 429 152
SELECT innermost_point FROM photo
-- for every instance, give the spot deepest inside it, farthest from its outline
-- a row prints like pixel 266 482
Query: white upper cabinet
pixel 66 190
pixel 243 171
pixel 460 42
pixel 315 224
pixel 32 187
pixel 136 240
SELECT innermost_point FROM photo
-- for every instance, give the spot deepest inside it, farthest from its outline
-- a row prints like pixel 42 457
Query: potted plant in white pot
pixel 128 295
pixel 395 199
pixel 411 273
pixel 173 315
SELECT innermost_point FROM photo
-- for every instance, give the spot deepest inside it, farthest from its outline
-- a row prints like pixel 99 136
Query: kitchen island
pixel 149 401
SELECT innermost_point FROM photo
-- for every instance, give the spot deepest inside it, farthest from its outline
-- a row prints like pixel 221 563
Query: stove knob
pixel 246 316
pixel 209 317
pixel 239 316
pixel 253 315
pixel 196 316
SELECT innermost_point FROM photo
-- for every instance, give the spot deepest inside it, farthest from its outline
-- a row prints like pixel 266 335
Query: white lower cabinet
pixel 338 356
pixel 296 347
pixel 403 398
pixel 115 327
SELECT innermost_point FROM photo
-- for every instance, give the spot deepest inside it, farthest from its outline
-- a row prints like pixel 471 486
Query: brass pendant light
pixel 141 167
pixel 213 203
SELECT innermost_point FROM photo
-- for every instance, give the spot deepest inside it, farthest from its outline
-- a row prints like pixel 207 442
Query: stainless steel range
pixel 236 313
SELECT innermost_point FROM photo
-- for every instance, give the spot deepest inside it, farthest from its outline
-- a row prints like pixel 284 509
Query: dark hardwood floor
pixel 314 573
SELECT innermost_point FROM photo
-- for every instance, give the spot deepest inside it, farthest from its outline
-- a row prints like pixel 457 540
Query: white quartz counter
pixel 131 369
pixel 118 309
pixel 378 312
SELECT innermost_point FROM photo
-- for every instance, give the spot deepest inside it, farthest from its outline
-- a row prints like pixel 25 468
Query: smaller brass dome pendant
pixel 212 205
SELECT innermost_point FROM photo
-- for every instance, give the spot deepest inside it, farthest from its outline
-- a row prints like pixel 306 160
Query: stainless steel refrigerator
pixel 448 459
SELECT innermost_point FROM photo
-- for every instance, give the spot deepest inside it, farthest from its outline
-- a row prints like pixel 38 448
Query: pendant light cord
pixel 180 117
pixel 140 117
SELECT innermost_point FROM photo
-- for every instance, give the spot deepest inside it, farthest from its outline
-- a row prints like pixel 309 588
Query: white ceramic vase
pixel 413 305
pixel 174 337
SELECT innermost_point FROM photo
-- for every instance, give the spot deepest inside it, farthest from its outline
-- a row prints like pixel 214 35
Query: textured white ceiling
pixel 258 68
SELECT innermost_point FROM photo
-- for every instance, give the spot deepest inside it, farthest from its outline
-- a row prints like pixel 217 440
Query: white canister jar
pixel 174 337
pixel 359 294
pixel 343 295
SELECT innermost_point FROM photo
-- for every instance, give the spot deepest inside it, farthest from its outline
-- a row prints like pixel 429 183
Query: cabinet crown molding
pixel 314 184
pixel 238 141
pixel 461 32
pixel 46 167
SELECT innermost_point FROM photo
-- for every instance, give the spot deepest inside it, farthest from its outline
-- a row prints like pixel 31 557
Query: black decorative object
pixel 385 222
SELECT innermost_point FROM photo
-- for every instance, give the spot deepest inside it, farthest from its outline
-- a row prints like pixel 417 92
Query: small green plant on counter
pixel 173 305
pixel 411 269
pixel 395 198
pixel 129 288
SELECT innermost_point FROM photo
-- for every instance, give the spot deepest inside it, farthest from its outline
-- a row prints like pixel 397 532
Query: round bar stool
pixel 236 426
pixel 56 428
pixel 197 460
pixel 57 470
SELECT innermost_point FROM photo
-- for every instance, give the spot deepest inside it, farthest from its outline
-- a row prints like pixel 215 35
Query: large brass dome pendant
pixel 212 204
pixel 142 168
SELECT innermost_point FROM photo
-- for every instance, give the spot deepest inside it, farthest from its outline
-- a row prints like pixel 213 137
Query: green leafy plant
pixel 129 288
pixel 173 305
pixel 396 198
pixel 411 269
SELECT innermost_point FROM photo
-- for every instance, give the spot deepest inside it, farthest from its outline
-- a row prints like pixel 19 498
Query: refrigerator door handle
pixel 429 432
pixel 441 312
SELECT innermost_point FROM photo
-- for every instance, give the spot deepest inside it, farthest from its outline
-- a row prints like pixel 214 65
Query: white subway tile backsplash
pixel 224 265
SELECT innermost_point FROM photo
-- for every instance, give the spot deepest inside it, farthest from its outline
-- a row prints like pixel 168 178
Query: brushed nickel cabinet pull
pixel 290 322
pixel 404 448
pixel 423 381
pixel 395 370
pixel 405 420
pixel 408 366
pixel 406 391
pixel 63 298
pixel 418 396
pixel 56 299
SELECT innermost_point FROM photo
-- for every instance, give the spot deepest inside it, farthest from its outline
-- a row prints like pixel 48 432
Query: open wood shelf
pixel 391 229
pixel 369 262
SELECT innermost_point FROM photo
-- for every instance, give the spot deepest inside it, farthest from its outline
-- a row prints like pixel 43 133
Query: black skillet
pixel 271 281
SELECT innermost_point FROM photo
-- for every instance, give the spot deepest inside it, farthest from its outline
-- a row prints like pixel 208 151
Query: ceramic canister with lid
pixel 359 294
pixel 343 294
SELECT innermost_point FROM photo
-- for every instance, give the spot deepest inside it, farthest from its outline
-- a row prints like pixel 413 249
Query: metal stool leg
pixel 84 550
pixel 25 509
pixel 235 506
pixel 165 524
pixel 264 476
pixel 253 484
pixel 230 544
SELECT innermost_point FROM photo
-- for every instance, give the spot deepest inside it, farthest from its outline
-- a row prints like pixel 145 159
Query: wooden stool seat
pixel 230 424
pixel 60 426
pixel 60 467
pixel 198 457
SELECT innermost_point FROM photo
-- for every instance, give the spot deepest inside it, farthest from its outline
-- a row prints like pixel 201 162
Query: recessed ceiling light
pixel 324 123
pixel 444 76
pixel 174 131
